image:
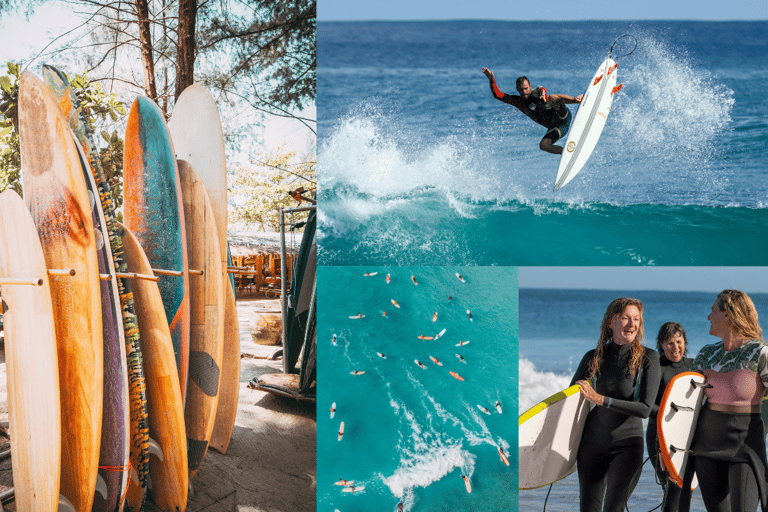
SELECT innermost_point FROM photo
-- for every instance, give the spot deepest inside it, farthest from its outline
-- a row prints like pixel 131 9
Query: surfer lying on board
pixel 548 110
pixel 626 379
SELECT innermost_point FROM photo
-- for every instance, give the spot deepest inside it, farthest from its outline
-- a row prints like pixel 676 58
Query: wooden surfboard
pixel 229 390
pixel 164 402
pixel 31 361
pixel 198 138
pixel 206 348
pixel 114 452
pixel 56 195
pixel 139 439
pixel 154 213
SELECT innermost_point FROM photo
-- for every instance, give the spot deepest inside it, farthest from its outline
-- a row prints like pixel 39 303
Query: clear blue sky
pixel 542 10
pixel 705 279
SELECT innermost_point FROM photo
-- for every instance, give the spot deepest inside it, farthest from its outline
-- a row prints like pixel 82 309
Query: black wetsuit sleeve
pixel 649 387
pixel 502 96
pixel 581 371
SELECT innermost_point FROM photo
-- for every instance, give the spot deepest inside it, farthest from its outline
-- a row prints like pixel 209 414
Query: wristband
pixel 607 402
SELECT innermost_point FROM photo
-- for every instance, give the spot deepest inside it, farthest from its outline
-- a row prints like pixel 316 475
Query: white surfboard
pixel 588 124
pixel 678 412
pixel 549 437
pixel 333 410
pixel 440 334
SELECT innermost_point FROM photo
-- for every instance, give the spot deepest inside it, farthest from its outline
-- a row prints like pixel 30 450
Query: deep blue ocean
pixel 420 165
pixel 410 433
pixel 557 327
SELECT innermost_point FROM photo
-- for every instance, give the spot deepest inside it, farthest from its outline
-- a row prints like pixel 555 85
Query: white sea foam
pixel 426 455
pixel 535 386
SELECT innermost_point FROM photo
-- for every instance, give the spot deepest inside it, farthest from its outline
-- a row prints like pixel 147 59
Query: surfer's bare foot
pixel 487 72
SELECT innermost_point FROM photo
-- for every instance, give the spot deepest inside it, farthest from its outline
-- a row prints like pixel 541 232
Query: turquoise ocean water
pixel 410 433
pixel 420 165
pixel 557 327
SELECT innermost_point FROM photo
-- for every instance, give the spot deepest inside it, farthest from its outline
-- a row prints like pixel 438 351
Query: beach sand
pixel 270 463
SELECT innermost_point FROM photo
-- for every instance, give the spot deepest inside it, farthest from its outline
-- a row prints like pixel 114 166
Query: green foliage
pixel 10 157
pixel 99 109
pixel 266 191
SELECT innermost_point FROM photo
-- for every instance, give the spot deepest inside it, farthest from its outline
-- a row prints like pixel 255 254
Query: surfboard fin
pixel 65 505
pixel 675 449
pixel 154 449
pixel 679 408
pixel 700 384
pixel 101 486
pixel 617 89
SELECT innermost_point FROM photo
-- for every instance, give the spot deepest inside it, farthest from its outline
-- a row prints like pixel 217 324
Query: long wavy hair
pixel 615 309
pixel 742 315
pixel 668 330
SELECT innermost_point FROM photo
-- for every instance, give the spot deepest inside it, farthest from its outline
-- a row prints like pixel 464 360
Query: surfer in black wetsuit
pixel 672 345
pixel 625 376
pixel 547 110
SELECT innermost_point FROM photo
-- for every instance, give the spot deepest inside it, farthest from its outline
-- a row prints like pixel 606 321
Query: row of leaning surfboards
pixel 122 342
pixel 550 432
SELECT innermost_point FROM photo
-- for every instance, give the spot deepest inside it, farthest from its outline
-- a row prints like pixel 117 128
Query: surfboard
pixel 357 316
pixel 484 409
pixel 344 482
pixel 422 337
pixel 370 274
pixel 460 277
pixel 462 343
pixel 341 430
pixel 139 439
pixel 588 124
pixel 549 436
pixel 467 484
pixel 394 303
pixel 388 279
pixel 456 376
pixel 498 407
pixel 436 361
pixel 333 410
pixel 206 341
pixel 381 355
pixel 421 365
pixel 440 334
pixel 353 489
pixel 198 138
pixel 56 195
pixel 503 456
pixel 434 317
pixel 114 453
pixel 676 422
pixel 229 389
pixel 154 213
pixel 164 402
pixel 31 361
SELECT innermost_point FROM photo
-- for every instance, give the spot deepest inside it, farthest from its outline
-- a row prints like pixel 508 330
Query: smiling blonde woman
pixel 621 377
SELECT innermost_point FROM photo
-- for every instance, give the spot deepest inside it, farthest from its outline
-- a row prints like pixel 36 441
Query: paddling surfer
pixel 548 110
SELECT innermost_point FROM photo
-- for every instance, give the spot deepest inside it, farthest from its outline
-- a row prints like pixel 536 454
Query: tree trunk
pixel 145 37
pixel 185 63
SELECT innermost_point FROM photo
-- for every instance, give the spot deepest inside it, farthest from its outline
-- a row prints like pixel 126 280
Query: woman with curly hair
pixel 621 377
pixel 729 443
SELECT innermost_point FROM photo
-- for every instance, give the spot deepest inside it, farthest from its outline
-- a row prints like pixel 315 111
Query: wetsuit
pixel 556 118
pixel 611 451
pixel 668 370
pixel 729 448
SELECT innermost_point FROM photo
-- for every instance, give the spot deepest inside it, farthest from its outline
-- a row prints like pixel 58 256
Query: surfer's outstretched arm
pixel 501 96
pixel 564 98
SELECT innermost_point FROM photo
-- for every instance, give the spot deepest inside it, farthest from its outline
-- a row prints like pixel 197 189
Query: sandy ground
pixel 270 464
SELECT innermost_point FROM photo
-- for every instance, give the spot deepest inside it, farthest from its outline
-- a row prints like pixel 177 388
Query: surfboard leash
pixel 610 54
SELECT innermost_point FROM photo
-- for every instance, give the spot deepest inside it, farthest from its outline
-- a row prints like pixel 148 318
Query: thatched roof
pixel 256 243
